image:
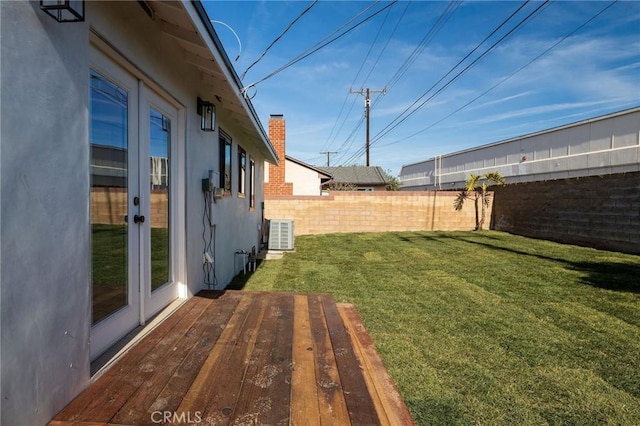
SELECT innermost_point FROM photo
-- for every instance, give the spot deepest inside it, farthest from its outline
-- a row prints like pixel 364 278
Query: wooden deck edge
pixel 110 358
pixel 70 423
pixel 389 403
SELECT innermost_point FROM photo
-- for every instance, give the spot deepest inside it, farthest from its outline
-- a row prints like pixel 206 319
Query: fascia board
pixel 201 22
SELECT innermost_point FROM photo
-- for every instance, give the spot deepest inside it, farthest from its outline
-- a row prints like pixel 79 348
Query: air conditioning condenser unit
pixel 280 234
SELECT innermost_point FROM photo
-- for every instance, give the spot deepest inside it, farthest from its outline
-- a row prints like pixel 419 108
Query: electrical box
pixel 209 183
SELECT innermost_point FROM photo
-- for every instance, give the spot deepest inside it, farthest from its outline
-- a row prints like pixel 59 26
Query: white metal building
pixel 599 146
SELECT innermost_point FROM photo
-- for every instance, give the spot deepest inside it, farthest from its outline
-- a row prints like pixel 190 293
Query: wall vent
pixel 280 234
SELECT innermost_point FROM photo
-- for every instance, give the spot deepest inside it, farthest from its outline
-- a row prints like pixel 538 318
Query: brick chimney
pixel 276 184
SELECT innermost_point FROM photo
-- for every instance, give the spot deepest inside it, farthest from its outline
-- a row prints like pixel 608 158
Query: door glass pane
pixel 109 163
pixel 160 133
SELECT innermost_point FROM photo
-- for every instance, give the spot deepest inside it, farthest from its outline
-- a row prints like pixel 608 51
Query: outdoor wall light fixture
pixel 64 10
pixel 207 111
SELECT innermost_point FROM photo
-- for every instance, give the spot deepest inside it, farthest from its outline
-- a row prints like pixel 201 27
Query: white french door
pixel 157 175
pixel 134 213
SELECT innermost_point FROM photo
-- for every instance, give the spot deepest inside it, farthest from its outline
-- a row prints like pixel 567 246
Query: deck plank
pixel 202 389
pixel 132 376
pixel 232 366
pixel 174 391
pixel 70 423
pixel 79 410
pixel 331 403
pixel 140 406
pixel 361 408
pixel 265 394
pixel 390 406
pixel 236 357
pixel 304 391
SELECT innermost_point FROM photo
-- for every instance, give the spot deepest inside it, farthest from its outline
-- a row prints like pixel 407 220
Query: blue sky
pixel 592 72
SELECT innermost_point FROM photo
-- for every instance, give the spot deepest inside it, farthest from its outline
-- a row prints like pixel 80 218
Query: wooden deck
pixel 247 358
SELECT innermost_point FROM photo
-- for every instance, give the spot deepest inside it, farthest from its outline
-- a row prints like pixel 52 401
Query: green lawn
pixel 109 266
pixel 109 255
pixel 485 328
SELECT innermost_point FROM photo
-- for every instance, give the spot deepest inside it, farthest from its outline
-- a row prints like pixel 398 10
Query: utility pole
pixel 328 154
pixel 367 107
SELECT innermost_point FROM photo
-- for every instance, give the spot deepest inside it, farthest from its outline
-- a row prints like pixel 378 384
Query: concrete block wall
pixel 595 211
pixel 159 208
pixel 373 212
pixel 109 206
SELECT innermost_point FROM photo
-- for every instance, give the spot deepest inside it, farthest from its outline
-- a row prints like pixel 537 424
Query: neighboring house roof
pixel 357 175
pixel 324 173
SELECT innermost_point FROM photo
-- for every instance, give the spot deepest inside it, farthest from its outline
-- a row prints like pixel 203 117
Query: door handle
pixel 138 219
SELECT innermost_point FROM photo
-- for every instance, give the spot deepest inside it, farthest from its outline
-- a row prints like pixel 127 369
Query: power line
pixel 362 12
pixel 364 61
pixel 444 17
pixel 278 38
pixel 328 156
pixel 428 37
pixel 234 33
pixel 329 141
pixel 387 43
pixel 349 140
pixel 508 77
pixel 391 126
pixel 335 136
pixel 306 54
pixel 400 120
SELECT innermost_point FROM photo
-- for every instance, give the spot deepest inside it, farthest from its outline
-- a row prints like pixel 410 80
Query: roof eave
pixel 201 21
pixel 309 166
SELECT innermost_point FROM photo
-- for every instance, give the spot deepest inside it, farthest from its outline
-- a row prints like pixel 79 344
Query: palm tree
pixel 478 184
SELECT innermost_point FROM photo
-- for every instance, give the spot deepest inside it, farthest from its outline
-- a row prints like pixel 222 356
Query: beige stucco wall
pixel 305 181
pixel 46 206
pixel 124 25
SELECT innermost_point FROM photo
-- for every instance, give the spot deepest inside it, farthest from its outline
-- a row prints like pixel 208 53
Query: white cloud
pixel 504 99
pixel 582 66
pixel 537 110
